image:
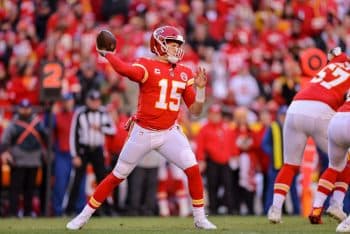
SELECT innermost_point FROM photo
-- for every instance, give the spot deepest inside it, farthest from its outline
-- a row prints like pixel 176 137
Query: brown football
pixel 105 40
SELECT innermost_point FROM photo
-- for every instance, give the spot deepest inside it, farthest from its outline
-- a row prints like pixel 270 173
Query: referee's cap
pixel 94 94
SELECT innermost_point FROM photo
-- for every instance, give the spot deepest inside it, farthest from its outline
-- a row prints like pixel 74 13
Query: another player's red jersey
pixel 328 86
pixel 161 90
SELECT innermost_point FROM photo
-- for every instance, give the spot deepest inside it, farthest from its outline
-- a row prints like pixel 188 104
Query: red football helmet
pixel 159 39
pixel 336 55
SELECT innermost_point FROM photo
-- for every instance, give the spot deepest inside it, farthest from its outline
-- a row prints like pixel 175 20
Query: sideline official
pixel 89 126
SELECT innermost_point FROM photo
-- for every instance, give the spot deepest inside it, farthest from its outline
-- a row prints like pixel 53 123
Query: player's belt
pixel 158 130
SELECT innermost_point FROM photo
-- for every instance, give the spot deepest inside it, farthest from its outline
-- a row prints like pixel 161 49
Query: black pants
pixel 96 158
pixel 248 199
pixel 142 191
pixel 236 191
pixel 22 182
pixel 218 175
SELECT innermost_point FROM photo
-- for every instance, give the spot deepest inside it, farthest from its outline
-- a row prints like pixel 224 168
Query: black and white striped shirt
pixel 88 128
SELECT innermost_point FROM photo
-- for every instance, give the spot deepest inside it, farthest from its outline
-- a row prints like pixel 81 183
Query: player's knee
pixel 122 169
pixel 188 159
pixel 293 160
pixel 338 164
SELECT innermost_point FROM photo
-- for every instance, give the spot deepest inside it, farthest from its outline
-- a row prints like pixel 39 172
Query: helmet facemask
pixel 165 50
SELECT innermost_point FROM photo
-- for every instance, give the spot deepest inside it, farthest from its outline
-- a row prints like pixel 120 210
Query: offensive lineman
pixel 309 115
pixel 339 143
pixel 337 175
pixel 163 83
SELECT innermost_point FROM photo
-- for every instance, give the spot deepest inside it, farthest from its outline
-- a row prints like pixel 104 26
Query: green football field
pixel 140 225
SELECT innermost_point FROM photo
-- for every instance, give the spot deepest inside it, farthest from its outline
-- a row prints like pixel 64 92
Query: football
pixel 105 40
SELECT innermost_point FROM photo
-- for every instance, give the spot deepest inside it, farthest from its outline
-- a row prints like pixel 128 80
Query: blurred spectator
pixel 110 8
pixel 63 159
pixel 259 128
pixel 243 87
pixel 114 143
pixel 24 142
pixel 172 192
pixel 86 141
pixel 63 19
pixel 89 78
pixel 330 36
pixel 245 169
pixel 288 84
pixel 345 32
pixel 214 149
pixel 42 15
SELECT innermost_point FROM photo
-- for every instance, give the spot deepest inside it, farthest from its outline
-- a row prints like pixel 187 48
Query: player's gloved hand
pixel 103 53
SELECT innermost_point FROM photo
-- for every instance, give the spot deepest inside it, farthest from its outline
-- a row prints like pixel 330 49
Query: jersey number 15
pixel 174 94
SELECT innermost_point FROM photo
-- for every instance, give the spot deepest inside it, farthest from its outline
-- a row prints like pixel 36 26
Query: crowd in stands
pixel 250 48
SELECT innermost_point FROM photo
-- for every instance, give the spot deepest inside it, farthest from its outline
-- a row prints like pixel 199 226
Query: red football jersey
pixel 161 90
pixel 328 86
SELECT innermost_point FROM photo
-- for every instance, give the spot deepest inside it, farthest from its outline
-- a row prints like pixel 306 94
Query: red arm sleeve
pixel 133 72
pixel 189 95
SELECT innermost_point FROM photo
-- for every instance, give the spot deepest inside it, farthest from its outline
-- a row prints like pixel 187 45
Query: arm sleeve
pixel 135 72
pixel 189 96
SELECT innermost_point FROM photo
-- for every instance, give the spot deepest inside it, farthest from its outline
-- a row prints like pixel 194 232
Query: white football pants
pixel 170 143
pixel 305 119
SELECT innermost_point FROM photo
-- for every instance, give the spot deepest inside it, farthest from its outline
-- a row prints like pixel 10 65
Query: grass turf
pixel 141 225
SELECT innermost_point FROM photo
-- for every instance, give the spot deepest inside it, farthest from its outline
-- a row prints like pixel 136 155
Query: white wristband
pixel 200 94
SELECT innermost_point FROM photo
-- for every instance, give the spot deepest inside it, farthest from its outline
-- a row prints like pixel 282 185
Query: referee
pixel 89 126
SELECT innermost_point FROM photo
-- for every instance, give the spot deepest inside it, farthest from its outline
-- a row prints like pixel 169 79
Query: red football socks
pixel 105 188
pixel 343 180
pixel 195 185
pixel 285 178
pixel 327 180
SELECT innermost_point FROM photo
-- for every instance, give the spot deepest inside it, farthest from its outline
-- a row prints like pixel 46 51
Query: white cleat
pixel 274 215
pixel 344 226
pixel 204 224
pixel 336 212
pixel 78 222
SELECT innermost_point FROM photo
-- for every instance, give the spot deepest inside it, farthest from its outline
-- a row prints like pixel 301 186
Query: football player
pixel 339 142
pixel 308 116
pixel 337 176
pixel 163 84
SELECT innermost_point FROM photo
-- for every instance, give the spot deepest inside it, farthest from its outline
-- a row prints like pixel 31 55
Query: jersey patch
pixel 183 76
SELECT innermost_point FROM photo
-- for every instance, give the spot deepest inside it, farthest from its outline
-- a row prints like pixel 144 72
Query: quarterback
pixel 163 84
